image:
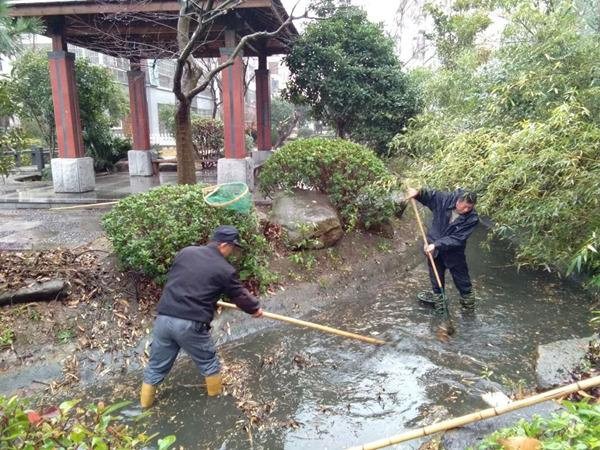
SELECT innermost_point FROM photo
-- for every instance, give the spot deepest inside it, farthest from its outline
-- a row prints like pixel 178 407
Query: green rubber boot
pixel 429 297
pixel 467 301
pixel 441 306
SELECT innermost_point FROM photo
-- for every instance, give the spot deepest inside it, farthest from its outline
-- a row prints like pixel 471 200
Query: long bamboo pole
pixel 205 190
pixel 424 235
pixel 88 205
pixel 314 326
pixel 481 415
pixel 448 327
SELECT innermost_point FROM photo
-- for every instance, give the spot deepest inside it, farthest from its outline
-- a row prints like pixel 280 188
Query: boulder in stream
pixel 558 359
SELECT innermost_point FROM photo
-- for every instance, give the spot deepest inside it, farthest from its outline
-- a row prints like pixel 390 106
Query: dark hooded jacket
pixel 444 235
pixel 196 281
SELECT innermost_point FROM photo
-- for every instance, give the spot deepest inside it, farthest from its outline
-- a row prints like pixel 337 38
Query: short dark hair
pixel 469 197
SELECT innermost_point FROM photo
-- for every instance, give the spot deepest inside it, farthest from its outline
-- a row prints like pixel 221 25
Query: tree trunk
pixel 286 129
pixel 216 100
pixel 341 129
pixel 186 170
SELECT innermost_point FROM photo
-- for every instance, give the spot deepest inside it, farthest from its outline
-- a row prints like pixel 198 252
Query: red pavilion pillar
pixel 235 166
pixel 72 171
pixel 139 158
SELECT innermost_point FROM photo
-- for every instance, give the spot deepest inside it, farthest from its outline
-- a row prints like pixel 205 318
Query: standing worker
pixel 198 277
pixel 454 219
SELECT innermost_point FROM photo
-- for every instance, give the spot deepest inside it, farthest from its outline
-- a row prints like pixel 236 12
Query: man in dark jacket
pixel 198 277
pixel 454 219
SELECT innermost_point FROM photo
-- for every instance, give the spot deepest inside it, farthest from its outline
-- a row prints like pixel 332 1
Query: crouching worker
pixel 196 280
pixel 454 219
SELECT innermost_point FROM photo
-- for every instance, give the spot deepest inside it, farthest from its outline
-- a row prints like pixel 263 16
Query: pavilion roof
pixel 147 29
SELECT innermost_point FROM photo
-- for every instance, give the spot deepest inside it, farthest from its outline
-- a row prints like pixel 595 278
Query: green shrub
pixel 6 164
pixel 147 230
pixel 26 158
pixel 47 173
pixel 166 117
pixel 102 101
pixel 106 148
pixel 207 135
pixel 576 428
pixel 356 181
pixel 14 139
pixel 69 426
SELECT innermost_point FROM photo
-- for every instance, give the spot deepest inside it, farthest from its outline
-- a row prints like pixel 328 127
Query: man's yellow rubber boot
pixel 213 384
pixel 147 395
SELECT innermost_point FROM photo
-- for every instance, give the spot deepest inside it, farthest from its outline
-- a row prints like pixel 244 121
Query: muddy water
pixel 325 392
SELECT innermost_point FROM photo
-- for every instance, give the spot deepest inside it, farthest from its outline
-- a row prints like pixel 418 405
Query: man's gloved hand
pixel 258 313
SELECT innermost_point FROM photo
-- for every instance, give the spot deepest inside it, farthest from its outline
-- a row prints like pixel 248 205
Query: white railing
pixel 162 139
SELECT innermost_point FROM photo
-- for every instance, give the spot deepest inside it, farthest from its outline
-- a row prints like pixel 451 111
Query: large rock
pixel 557 360
pixel 309 219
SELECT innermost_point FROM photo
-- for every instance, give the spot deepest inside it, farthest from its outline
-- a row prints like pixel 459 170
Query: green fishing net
pixel 234 196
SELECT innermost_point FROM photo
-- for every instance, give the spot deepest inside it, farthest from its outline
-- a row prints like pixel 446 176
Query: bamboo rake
pixel 314 326
pixel 424 235
pixel 481 415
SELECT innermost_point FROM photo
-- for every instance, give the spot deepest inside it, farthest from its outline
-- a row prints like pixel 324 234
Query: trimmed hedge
pixel 355 179
pixel 207 135
pixel 147 230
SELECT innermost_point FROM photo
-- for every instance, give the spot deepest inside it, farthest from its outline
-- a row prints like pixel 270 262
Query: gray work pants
pixel 170 334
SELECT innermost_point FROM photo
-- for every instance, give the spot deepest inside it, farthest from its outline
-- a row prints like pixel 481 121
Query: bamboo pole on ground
pixel 481 415
pixel 205 190
pixel 314 326
pixel 88 205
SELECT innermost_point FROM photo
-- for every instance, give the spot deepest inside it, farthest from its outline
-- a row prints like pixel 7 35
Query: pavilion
pixel 147 29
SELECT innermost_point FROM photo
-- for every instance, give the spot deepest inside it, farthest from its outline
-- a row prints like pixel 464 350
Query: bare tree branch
pixel 236 51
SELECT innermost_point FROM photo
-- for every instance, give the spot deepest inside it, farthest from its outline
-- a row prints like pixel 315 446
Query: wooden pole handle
pixel 481 415
pixel 89 205
pixel 424 235
pixel 314 326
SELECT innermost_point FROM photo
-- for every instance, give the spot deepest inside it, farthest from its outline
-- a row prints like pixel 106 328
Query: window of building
pixel 118 67
pixel 166 70
pixel 274 85
pixel 166 118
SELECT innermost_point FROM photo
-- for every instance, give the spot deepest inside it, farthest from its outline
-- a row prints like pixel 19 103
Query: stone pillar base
pixel 73 174
pixel 259 157
pixel 140 163
pixel 231 170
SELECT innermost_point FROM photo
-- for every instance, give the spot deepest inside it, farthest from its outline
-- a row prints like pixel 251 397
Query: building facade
pixel 159 85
